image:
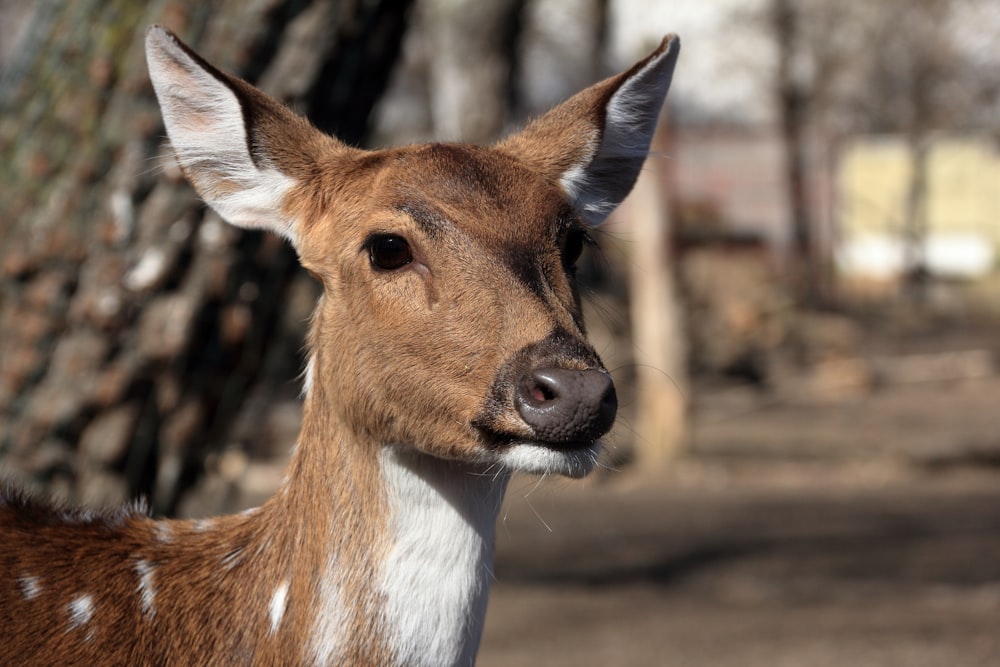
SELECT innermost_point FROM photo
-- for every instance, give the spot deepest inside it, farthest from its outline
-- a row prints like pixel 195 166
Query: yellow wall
pixel 964 187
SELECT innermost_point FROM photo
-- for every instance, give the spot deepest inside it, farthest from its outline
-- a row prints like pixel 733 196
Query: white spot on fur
pixel 278 603
pixel 30 586
pixel 164 532
pixel 80 611
pixel 147 590
pixel 325 641
pixel 201 525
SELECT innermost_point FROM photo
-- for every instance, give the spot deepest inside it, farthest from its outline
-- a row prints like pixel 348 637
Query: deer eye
pixel 573 248
pixel 389 252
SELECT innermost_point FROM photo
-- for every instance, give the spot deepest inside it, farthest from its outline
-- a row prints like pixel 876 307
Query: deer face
pixel 450 320
pixel 450 290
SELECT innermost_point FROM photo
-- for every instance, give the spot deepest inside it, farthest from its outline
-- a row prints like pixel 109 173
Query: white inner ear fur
pixel 598 184
pixel 205 123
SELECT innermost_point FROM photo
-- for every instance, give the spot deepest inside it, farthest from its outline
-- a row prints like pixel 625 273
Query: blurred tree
pixel 898 66
pixel 792 96
pixel 920 83
pixel 660 346
pixel 141 335
pixel 811 61
pixel 472 69
pixel 562 48
pixel 455 77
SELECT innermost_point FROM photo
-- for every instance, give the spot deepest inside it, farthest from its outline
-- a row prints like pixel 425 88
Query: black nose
pixel 566 406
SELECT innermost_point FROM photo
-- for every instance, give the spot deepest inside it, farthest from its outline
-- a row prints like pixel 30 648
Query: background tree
pixel 895 67
pixel 660 346
pixel 921 83
pixel 142 336
pixel 816 44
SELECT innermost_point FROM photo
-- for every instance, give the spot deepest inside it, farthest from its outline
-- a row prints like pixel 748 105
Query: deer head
pixel 450 320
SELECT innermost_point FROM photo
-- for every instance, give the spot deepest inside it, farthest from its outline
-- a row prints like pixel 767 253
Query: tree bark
pixel 142 336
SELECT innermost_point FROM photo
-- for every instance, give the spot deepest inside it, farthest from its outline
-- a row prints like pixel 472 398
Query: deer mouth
pixel 546 458
pixel 531 455
pixel 498 441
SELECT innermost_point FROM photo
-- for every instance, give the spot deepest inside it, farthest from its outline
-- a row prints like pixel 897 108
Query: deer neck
pixel 435 580
pixel 401 543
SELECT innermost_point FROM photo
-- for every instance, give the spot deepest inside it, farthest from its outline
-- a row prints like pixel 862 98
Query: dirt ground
pixel 849 532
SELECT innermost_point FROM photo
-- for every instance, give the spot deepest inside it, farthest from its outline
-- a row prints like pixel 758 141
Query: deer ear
pixel 242 150
pixel 594 143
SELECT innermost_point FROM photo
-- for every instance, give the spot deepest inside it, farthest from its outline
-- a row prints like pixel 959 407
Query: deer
pixel 446 353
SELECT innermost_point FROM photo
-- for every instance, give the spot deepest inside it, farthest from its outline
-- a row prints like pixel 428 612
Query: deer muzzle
pixel 566 407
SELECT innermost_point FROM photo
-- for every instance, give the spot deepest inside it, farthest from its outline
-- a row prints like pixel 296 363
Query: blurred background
pixel 800 302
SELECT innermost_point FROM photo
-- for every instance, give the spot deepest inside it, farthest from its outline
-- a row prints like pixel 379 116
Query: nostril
pixel 540 388
pixel 542 394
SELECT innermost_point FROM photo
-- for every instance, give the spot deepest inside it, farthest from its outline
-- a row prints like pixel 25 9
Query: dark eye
pixel 575 240
pixel 389 252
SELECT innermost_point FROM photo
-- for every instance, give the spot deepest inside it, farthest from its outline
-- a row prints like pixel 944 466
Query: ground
pixel 858 531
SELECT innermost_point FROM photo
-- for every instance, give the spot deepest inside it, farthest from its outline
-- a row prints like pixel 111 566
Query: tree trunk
pixel 915 268
pixel 561 53
pixel 454 81
pixel 793 112
pixel 658 332
pixel 141 336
